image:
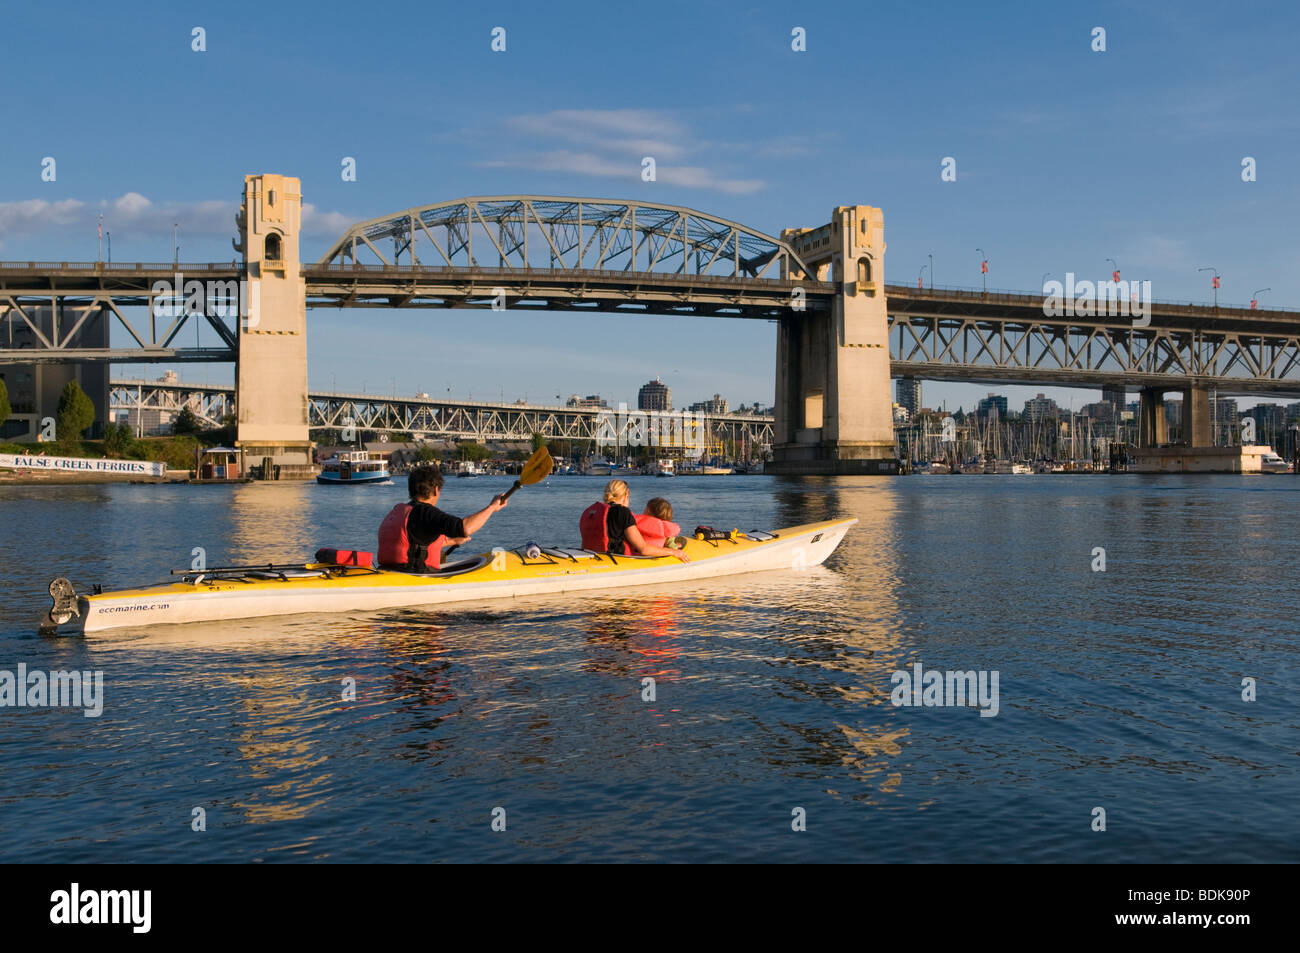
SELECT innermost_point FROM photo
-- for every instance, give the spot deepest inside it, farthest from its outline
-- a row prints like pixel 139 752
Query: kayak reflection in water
pixel 413 534
pixel 610 527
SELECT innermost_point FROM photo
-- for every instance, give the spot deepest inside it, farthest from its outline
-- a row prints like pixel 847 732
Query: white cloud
pixel 328 224
pixel 611 143
pixel 131 204
pixel 142 217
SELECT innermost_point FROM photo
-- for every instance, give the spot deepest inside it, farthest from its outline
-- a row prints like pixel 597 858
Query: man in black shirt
pixel 425 522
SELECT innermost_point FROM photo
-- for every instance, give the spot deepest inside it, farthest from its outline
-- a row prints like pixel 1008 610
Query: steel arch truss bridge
pixel 429 418
pixel 565 253
pixel 446 420
pixel 210 405
pixel 498 422
pixel 1233 350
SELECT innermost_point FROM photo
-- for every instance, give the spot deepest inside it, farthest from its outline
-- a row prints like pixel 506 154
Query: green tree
pixel 425 454
pixel 469 450
pixel 118 440
pixel 186 422
pixel 538 442
pixel 75 414
pixel 5 408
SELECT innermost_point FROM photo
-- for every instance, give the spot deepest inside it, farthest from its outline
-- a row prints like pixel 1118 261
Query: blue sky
pixel 1065 156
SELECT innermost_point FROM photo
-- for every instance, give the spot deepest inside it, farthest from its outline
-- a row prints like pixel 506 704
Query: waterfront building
pixel 996 402
pixel 1040 408
pixel 718 405
pixel 590 402
pixel 1101 411
pixel 909 394
pixel 1226 422
pixel 654 395
pixel 1115 396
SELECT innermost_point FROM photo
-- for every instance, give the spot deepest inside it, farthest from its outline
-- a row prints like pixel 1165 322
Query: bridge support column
pixel 833 408
pixel 1197 431
pixel 271 375
pixel 1153 426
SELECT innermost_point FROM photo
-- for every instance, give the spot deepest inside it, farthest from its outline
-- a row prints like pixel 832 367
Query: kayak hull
pixel 317 588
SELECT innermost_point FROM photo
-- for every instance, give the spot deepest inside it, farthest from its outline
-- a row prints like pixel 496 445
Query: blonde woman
pixel 610 527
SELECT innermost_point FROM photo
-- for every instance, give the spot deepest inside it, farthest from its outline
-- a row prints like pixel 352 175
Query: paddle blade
pixel 538 467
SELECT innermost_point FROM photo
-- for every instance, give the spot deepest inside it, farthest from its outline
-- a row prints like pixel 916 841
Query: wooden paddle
pixel 537 469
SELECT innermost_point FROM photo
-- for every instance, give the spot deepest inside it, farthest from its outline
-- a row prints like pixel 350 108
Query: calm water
pixel 1118 689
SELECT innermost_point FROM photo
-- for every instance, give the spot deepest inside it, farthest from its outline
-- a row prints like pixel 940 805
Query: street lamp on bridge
pixel 984 268
pixel 1214 282
pixel 931 272
pixel 1254 299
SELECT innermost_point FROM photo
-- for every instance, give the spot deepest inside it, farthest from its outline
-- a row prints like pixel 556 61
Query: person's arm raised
pixel 475 522
pixel 638 543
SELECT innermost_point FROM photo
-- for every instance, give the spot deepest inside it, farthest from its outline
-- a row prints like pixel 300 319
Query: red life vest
pixel 654 530
pixel 397 551
pixel 594 529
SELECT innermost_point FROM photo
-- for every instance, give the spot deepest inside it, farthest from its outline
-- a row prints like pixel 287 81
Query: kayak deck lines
pixel 247 591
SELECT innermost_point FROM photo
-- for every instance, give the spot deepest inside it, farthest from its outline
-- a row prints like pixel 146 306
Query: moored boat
pixel 1272 463
pixel 240 592
pixel 354 466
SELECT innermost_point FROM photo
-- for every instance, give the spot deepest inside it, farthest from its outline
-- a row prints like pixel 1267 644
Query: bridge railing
pixel 594 273
pixel 119 266
pixel 1020 297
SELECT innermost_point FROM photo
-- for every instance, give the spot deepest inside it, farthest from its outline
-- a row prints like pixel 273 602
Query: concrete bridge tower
pixel 271 375
pixel 833 408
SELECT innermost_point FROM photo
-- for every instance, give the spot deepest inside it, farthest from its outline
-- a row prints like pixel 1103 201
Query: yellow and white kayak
pixel 247 592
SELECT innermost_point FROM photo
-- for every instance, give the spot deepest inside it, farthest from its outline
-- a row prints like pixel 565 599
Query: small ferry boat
pixel 468 469
pixel 1272 463
pixel 354 466
pixel 664 468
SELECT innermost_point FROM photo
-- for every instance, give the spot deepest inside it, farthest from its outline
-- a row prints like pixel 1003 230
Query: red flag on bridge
pixel 918 284
pixel 984 267
pixel 1114 276
pixel 1253 302
pixel 1214 282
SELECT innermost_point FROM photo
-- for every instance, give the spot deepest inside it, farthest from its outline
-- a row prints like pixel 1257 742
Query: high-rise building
pixel 993 402
pixel 1040 408
pixel 1116 396
pixel 1226 421
pixel 909 395
pixel 590 402
pixel 654 395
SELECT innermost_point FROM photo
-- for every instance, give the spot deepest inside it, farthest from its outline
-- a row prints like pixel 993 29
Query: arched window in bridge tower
pixel 273 247
pixel 864 271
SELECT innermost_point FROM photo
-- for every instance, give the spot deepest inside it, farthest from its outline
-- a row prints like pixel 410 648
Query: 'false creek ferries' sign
pixel 19 461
